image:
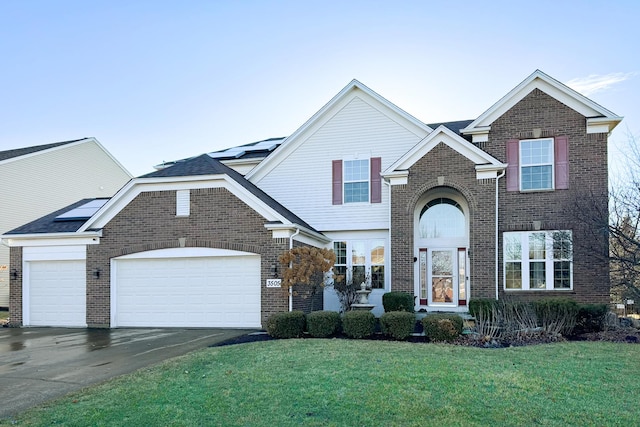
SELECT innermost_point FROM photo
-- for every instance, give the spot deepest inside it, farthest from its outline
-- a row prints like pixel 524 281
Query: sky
pixel 157 80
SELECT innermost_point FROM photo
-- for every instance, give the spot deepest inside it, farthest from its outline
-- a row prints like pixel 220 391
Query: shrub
pixel 591 318
pixel 556 316
pixel 442 327
pixel 398 324
pixel 322 324
pixel 359 324
pixel 286 325
pixel 397 301
pixel 483 307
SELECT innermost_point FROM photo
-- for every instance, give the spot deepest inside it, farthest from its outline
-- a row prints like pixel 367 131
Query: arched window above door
pixel 442 218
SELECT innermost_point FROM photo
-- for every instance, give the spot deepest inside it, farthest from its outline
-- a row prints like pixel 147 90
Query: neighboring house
pixel 446 212
pixel 36 180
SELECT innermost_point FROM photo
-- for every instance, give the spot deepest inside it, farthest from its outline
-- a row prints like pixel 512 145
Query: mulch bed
pixel 626 335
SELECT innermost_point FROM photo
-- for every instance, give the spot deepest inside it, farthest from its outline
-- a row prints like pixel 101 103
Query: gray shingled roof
pixel 48 223
pixel 205 165
pixel 246 151
pixel 17 152
pixel 453 126
pixel 201 165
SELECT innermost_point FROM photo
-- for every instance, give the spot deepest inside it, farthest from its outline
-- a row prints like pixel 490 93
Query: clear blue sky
pixel 163 80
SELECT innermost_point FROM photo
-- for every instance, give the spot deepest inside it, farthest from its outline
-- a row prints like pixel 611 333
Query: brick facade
pixel 444 169
pixel 218 219
pixel 15 286
pixel 540 113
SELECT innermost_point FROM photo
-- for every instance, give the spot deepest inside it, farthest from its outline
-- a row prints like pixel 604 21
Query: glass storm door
pixel 443 276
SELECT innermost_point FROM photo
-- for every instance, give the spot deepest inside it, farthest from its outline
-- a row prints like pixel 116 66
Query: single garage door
pixel 220 291
pixel 57 293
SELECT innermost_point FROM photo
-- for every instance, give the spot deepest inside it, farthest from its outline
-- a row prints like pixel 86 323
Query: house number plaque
pixel 274 283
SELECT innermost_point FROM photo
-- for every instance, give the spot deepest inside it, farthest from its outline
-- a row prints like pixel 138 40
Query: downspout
pixel 389 243
pixel 497 266
pixel 291 266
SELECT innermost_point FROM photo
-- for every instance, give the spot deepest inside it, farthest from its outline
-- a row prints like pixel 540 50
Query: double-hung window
pixel 538 260
pixel 356 181
pixel 360 261
pixel 536 164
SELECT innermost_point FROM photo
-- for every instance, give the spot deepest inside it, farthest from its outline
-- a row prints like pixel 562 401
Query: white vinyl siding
pixel 302 181
pixel 36 185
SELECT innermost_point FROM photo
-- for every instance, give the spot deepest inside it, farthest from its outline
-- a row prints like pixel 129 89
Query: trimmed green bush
pixel 322 324
pixel 398 325
pixel 442 327
pixel 591 318
pixel 482 307
pixel 286 325
pixel 556 315
pixel 358 324
pixel 397 301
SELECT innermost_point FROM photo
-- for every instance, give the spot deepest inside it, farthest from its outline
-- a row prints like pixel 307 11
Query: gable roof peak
pixel 325 113
pixel 592 111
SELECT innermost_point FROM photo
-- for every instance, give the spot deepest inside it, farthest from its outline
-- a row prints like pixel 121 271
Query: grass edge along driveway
pixel 365 383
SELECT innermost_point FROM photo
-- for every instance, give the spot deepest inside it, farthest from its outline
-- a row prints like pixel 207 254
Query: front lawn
pixel 366 383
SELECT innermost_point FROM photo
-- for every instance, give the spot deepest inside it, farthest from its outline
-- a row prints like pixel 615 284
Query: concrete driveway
pixel 39 364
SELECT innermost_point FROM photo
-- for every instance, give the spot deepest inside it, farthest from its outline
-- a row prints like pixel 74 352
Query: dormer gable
pixel 598 118
pixel 486 165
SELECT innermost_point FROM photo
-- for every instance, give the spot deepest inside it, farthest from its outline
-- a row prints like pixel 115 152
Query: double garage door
pixel 222 291
pixel 164 288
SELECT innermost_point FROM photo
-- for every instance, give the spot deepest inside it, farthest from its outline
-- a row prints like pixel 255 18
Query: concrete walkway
pixel 39 364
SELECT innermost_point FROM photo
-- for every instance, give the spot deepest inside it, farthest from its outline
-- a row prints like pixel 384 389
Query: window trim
pixel 345 181
pixel 368 264
pixel 525 261
pixel 551 163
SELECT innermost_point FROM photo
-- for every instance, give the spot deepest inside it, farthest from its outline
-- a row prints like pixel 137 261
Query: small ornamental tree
pixel 306 266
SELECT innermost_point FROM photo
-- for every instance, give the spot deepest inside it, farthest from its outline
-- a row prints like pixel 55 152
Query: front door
pixel 443 276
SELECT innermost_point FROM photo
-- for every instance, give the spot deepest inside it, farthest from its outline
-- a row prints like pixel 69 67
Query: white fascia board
pixel 349 92
pixel 52 239
pixel 139 185
pixel 550 86
pixel 442 135
pixel 602 124
pixel 396 177
pixel 286 231
pixel 489 171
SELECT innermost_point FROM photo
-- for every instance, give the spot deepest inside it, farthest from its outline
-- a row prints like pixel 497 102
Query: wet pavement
pixel 39 364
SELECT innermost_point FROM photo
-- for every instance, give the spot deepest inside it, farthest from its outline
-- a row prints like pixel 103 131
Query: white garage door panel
pixel 57 293
pixel 188 292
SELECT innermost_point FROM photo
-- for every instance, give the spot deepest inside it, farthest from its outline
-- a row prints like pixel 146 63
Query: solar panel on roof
pixel 85 211
pixel 264 145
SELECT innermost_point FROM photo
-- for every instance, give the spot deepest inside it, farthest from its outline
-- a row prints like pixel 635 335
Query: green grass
pixel 366 383
pixel 4 314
